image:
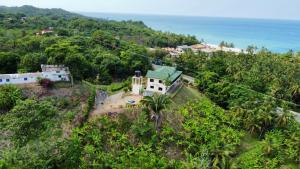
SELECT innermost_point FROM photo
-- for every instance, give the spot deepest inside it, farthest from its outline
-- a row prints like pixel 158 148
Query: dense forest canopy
pixel 264 73
pixel 77 40
pixel 236 116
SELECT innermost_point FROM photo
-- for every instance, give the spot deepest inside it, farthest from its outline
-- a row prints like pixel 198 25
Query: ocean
pixel 276 35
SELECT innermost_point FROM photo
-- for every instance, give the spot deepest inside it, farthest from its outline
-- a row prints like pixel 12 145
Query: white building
pixel 137 83
pixel 56 72
pixel 52 72
pixel 19 78
pixel 163 79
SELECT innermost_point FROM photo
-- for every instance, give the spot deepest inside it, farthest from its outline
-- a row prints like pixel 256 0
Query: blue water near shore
pixel 276 35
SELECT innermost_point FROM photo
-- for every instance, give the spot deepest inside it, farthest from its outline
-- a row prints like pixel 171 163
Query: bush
pixel 46 83
pixel 70 115
pixel 116 87
pixel 9 95
pixel 28 119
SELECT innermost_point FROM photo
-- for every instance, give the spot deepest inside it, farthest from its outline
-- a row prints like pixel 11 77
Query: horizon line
pixel 183 15
pixel 162 14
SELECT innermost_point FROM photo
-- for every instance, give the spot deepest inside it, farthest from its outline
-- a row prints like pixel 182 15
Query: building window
pixel 7 80
pixel 59 76
pixel 152 87
pixel 25 79
pixel 57 71
pixel 160 89
pixel 160 81
pixel 151 80
pixel 0 80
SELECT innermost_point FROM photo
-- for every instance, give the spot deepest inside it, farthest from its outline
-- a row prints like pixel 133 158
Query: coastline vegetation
pixel 237 115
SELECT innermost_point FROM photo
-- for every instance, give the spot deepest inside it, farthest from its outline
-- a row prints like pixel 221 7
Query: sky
pixel 272 9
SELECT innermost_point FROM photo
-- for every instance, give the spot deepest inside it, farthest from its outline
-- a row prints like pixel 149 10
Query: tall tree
pixel 156 105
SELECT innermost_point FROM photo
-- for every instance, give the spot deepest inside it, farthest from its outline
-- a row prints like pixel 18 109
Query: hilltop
pixel 33 11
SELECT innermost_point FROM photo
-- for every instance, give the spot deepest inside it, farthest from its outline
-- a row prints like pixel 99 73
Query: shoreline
pixel 203 47
pixel 240 31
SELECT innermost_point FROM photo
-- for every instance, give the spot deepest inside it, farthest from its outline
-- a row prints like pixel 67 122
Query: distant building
pixel 184 47
pixel 52 72
pixel 45 31
pixel 162 79
pixel 174 52
pixel 56 72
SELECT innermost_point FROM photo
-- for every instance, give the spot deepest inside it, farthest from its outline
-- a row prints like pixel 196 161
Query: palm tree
pixel 283 119
pixel 221 158
pixel 267 146
pixel 295 90
pixel 156 105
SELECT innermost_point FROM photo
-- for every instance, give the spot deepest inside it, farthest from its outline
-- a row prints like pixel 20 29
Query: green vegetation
pixel 226 44
pixel 9 95
pixel 184 95
pixel 156 105
pixel 241 118
pixel 115 87
pixel 95 50
pixel 263 75
pixel 38 121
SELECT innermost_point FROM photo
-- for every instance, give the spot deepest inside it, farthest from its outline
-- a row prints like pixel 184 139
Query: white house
pixel 52 72
pixel 56 72
pixel 162 79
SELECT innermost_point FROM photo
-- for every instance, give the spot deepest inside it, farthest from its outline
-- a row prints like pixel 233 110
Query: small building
pixel 163 79
pixel 45 31
pixel 184 47
pixel 137 83
pixel 56 72
pixel 52 72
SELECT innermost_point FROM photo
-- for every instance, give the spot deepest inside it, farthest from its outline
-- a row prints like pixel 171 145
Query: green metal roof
pixel 164 73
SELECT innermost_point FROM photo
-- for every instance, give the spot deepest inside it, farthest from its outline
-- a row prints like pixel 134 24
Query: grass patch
pixel 186 94
pixel 62 84
pixel 247 143
pixel 112 88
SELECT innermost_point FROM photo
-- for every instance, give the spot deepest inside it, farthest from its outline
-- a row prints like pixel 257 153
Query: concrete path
pixel 190 79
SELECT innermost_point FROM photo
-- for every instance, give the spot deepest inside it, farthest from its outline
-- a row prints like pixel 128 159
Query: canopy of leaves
pixel 9 95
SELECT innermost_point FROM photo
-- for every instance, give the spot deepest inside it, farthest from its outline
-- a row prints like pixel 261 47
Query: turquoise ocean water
pixel 276 35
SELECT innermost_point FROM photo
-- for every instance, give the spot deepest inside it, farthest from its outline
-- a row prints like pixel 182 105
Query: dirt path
pixel 115 104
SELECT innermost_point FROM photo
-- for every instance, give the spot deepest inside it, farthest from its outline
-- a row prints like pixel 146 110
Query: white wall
pixel 18 80
pixel 56 76
pixel 156 86
pixel 32 78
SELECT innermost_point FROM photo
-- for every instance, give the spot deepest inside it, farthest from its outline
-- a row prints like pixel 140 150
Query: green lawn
pixel 112 88
pixel 247 143
pixel 186 94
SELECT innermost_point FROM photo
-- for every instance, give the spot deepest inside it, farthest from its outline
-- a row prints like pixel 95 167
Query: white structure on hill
pixel 137 83
pixel 56 72
pixel 163 79
pixel 52 72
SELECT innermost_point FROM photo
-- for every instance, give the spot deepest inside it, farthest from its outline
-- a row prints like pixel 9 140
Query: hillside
pixel 236 115
pixel 33 11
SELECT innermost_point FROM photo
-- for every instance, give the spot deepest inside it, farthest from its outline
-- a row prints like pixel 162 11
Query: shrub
pixel 46 83
pixel 28 119
pixel 9 95
pixel 116 87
